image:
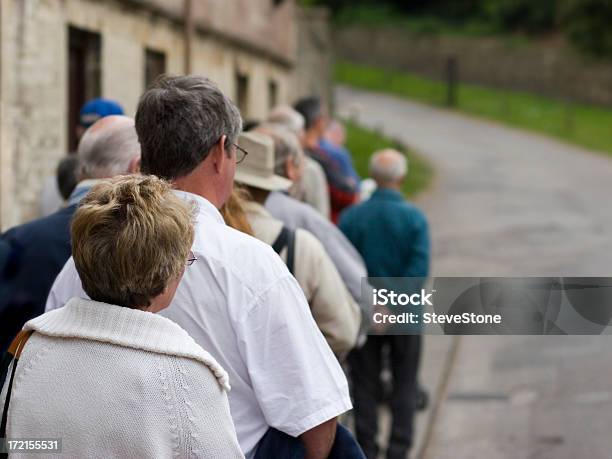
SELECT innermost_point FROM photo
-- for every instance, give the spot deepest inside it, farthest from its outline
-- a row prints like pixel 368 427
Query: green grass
pixel 385 16
pixel 584 125
pixel 362 142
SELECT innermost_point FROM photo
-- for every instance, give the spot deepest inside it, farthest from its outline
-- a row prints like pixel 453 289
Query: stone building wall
pixel 315 55
pixel 34 70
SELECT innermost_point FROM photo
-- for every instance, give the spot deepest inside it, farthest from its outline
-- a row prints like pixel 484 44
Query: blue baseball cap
pixel 98 108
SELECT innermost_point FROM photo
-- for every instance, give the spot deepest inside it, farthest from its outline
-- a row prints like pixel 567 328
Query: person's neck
pixel 390 186
pixel 192 183
pixel 311 139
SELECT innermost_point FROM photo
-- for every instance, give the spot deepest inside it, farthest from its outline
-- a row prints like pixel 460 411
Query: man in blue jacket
pixel 38 250
pixel 392 237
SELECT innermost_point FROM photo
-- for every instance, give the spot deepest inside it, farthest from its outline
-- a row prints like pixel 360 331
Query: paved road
pixel 508 202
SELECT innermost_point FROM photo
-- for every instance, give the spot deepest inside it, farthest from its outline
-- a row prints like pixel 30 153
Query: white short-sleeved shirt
pixel 240 303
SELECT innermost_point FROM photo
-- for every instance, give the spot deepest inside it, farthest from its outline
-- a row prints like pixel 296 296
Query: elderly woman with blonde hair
pixel 106 375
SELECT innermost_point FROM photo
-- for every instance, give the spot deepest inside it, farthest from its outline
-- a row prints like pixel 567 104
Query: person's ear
pixel 288 171
pixel 291 170
pixel 219 154
pixel 134 166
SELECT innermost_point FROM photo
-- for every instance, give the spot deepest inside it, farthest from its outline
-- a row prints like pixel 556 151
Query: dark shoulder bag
pixel 286 238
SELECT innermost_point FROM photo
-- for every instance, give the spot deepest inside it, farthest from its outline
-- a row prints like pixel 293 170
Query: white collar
pixel 205 207
pixel 89 182
pixel 133 328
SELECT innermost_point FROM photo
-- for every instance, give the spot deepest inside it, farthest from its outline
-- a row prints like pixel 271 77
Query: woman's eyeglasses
pixel 191 259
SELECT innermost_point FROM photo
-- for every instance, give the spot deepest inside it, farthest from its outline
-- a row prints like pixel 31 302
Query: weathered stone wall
pixel 315 55
pixel 547 68
pixel 33 72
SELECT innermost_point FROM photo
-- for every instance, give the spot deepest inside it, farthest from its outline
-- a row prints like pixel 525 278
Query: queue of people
pixel 195 297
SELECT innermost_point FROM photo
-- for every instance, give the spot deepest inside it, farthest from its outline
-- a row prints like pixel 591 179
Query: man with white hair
pixel 312 187
pixel 39 249
pixel 393 238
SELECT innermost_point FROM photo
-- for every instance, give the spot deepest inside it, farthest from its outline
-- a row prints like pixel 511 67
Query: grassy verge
pixel 584 125
pixel 385 16
pixel 362 142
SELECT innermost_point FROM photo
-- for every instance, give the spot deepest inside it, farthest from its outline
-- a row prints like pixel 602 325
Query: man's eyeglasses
pixel 243 153
pixel 191 259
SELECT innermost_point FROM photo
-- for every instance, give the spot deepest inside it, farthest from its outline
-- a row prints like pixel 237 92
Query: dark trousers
pixel 365 369
pixel 278 445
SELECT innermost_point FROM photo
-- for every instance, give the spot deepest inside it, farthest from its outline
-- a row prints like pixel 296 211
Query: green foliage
pixel 362 142
pixel 584 125
pixel 589 24
pixel 521 15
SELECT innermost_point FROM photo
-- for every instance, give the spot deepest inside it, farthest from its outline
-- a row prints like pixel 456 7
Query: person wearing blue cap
pixel 95 109
pixel 56 189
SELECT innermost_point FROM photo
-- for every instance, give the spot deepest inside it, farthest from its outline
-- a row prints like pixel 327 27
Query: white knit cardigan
pixel 111 381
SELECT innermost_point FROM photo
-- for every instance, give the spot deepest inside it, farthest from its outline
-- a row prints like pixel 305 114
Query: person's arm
pixel 418 265
pixel 334 310
pixel 319 440
pixel 342 253
pixel 316 191
pixel 298 382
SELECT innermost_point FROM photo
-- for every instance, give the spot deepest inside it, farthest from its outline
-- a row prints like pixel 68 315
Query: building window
pixel 155 65
pixel 242 93
pixel 272 94
pixel 83 76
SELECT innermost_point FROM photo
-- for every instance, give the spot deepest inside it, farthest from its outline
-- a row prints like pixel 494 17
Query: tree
pixel 588 25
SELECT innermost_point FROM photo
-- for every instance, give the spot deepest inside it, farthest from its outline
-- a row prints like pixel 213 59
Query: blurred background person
pixel 342 188
pixel 288 156
pixel 40 248
pixel 117 378
pixel 67 180
pixel 392 236
pixel 334 310
pixel 333 142
pixel 94 110
pixel 56 189
pixel 312 188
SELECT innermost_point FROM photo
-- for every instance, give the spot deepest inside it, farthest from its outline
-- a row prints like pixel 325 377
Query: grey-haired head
pixel 388 168
pixel 179 120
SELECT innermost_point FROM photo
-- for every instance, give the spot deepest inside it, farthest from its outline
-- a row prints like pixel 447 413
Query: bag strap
pixel 286 238
pixel 12 355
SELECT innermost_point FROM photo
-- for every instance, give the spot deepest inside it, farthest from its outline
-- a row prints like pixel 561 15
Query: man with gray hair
pixel 393 238
pixel 237 300
pixel 39 249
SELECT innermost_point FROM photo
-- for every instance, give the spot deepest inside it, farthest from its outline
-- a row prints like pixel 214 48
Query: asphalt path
pixel 507 202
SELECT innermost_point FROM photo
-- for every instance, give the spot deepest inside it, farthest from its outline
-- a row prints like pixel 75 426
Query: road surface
pixel 506 202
